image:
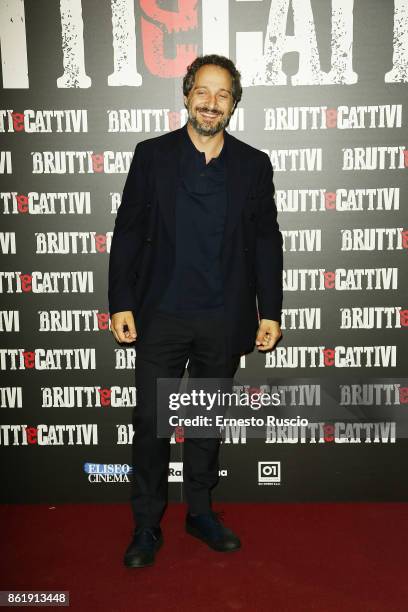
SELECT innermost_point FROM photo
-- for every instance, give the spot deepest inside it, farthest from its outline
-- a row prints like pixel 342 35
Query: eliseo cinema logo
pixel 107 472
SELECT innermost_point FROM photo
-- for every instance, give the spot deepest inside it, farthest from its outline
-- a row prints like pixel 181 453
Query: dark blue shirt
pixel 196 285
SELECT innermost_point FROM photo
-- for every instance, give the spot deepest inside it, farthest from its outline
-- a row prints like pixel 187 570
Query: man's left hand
pixel 269 332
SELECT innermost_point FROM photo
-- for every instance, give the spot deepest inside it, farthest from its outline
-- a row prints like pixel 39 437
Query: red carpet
pixel 331 557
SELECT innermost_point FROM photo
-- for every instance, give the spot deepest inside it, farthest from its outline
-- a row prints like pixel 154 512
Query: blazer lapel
pixel 167 175
pixel 236 185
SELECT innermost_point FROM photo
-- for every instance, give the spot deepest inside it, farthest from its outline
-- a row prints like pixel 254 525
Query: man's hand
pixel 269 332
pixel 123 326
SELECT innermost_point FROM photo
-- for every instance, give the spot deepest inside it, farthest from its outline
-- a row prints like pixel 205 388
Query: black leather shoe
pixel 209 529
pixel 141 552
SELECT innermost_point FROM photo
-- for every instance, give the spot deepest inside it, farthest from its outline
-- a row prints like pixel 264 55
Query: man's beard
pixel 207 129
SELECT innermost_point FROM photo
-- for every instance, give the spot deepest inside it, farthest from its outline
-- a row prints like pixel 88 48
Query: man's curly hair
pixel 216 60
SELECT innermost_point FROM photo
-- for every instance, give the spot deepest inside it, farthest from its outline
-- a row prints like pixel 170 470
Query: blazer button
pixel 246 249
pixel 148 240
pixel 148 205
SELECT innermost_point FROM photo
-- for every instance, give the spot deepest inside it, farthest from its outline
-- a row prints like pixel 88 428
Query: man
pixel 195 275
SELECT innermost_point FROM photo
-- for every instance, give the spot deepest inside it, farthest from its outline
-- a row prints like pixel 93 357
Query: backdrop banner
pixel 325 96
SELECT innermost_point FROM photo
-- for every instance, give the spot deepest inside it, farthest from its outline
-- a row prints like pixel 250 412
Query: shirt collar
pixel 192 149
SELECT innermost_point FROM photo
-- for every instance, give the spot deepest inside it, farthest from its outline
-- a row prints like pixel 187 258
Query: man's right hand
pixel 119 322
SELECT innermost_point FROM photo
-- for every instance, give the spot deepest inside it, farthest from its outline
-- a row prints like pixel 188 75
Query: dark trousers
pixel 162 351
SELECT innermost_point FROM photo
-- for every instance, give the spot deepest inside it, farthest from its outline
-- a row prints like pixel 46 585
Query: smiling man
pixel 195 276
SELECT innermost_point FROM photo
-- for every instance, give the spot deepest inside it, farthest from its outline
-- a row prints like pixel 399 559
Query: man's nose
pixel 211 101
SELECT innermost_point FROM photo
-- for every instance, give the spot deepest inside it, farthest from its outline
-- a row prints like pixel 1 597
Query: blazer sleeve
pixel 269 249
pixel 127 239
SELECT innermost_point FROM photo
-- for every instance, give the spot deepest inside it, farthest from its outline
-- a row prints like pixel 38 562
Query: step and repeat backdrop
pixel 325 96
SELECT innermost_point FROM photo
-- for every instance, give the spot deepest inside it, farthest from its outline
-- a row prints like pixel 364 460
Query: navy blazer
pixel 143 243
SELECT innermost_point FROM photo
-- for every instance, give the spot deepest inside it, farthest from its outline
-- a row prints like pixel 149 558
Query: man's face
pixel 210 101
